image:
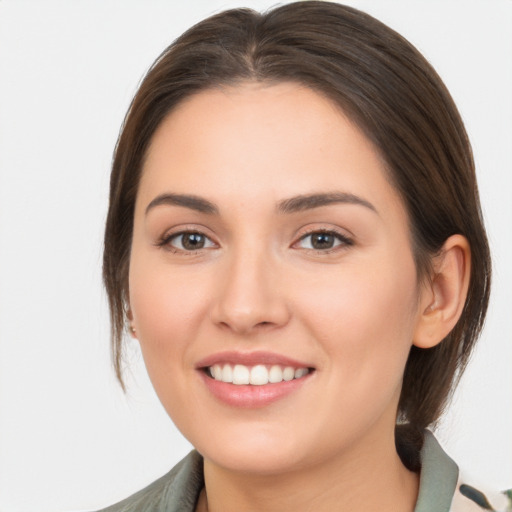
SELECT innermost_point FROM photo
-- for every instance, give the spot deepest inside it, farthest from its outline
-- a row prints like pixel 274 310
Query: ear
pixel 131 327
pixel 443 297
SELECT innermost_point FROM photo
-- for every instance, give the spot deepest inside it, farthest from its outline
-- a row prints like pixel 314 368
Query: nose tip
pixel 249 299
pixel 245 321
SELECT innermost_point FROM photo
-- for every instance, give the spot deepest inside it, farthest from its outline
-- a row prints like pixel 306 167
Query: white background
pixel 69 439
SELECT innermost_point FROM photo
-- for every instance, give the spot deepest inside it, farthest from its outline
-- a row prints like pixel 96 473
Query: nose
pixel 250 298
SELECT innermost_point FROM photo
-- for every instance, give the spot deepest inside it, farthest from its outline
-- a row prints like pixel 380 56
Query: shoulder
pixel 176 491
pixel 443 489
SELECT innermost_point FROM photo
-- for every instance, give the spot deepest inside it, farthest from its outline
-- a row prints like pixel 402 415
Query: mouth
pixel 257 375
pixel 252 380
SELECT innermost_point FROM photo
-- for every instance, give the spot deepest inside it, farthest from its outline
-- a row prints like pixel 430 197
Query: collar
pixel 438 477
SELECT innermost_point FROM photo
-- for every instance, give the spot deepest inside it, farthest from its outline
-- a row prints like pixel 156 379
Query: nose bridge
pixel 249 295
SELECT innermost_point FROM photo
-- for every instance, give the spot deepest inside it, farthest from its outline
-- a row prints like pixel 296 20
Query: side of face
pixel 265 227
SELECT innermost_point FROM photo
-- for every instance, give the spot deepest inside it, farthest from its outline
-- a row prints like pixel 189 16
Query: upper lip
pixel 250 359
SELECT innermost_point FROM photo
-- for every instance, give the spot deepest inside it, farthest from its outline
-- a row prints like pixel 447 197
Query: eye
pixel 323 240
pixel 187 241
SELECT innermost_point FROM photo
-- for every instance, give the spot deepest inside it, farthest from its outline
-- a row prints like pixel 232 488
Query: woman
pixel 294 237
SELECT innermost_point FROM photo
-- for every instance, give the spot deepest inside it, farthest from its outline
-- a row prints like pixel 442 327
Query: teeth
pixel 258 375
pixel 275 374
pixel 288 373
pixel 216 372
pixel 240 374
pixel 300 372
pixel 227 373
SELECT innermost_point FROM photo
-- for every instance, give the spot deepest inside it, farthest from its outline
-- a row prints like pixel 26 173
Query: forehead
pixel 262 141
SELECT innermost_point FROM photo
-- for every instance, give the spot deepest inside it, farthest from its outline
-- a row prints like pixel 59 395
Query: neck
pixel 368 477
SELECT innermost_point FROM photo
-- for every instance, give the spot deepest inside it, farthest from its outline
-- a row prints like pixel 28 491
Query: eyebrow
pixel 307 202
pixel 292 205
pixel 186 200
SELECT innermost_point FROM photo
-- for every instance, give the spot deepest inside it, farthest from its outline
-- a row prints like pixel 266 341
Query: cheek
pixel 366 326
pixel 365 318
pixel 167 307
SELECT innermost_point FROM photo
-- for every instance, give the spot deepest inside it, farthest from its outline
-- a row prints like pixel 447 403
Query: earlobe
pixel 444 296
pixel 131 327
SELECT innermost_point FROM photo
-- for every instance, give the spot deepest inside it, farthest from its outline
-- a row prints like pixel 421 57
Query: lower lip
pixel 248 396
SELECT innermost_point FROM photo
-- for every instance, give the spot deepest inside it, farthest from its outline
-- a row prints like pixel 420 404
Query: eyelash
pixel 165 242
pixel 344 241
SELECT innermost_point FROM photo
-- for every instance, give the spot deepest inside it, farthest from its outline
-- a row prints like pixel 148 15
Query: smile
pixel 257 375
pixel 255 379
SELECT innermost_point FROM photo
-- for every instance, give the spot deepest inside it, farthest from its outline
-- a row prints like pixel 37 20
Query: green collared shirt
pixel 178 490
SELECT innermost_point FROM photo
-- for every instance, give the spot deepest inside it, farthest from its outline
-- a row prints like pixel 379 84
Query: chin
pixel 252 452
pixel 255 462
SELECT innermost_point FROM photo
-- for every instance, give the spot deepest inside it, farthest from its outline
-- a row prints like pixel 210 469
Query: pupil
pixel 193 241
pixel 322 241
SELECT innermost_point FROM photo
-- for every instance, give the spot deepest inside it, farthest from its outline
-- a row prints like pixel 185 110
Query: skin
pixel 351 311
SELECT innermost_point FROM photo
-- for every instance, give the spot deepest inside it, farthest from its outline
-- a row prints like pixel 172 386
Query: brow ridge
pixel 287 206
pixel 186 200
pixel 316 200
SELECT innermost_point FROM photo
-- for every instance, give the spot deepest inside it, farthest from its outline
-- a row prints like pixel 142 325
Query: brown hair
pixel 392 93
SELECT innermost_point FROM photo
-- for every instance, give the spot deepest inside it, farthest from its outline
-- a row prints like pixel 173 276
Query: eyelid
pixel 344 239
pixel 164 241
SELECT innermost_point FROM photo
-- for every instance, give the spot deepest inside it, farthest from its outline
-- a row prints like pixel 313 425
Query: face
pixel 270 251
